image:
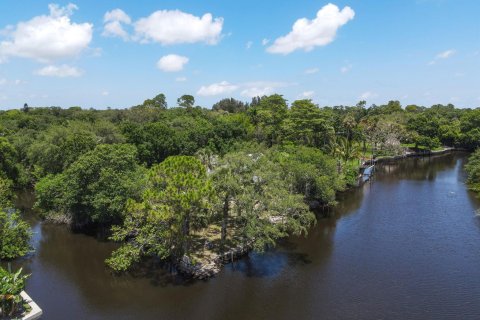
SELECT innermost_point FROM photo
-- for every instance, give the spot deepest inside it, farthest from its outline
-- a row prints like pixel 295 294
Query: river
pixel 404 246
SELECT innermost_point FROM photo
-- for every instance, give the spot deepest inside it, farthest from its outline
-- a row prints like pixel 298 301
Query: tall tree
pixel 186 101
pixel 175 202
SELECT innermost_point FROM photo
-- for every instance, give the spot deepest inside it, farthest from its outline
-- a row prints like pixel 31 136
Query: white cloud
pixel 248 89
pixel 446 54
pixel 265 41
pixel 307 34
pixel 312 71
pixel 105 93
pixel 3 81
pixel 216 89
pixel 62 71
pixel 113 21
pixel 249 44
pixel 172 63
pixel 443 55
pixel 48 37
pixel 307 94
pixel 173 27
pixel 180 79
pixel 261 88
pixel 368 95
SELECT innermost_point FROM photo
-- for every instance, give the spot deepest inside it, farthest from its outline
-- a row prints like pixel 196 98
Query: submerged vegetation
pixel 191 182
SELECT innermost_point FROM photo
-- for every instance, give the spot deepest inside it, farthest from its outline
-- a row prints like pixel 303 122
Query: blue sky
pixel 118 53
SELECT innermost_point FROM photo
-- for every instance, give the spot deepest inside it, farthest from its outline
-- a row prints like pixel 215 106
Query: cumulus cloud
pixel 216 89
pixel 307 94
pixel 172 63
pixel 62 71
pixel 261 88
pixel 307 34
pixel 47 38
pixel 249 44
pixel 265 41
pixel 174 26
pixel 113 24
pixel 312 71
pixel 247 89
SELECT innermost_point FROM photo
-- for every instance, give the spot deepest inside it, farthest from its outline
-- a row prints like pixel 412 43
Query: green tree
pixel 473 170
pixel 257 200
pixel 95 188
pixel 15 235
pixel 230 105
pixel 5 192
pixel 175 202
pixel 8 159
pixel 186 101
pixel 268 116
pixel 307 125
pixel 159 101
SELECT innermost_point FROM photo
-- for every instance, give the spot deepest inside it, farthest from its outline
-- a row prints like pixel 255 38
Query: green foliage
pixel 8 160
pixel 268 116
pixel 473 170
pixel 94 188
pixel 258 164
pixel 5 193
pixel 177 200
pixel 159 102
pixel 186 101
pixel 306 124
pixel 310 173
pixel 470 127
pixel 11 285
pixel 256 196
pixel 230 105
pixel 15 235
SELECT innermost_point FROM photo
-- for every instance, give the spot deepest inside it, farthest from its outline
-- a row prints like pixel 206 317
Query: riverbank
pixel 408 154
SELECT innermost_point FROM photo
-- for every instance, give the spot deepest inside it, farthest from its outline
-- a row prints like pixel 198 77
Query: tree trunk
pixel 186 232
pixel 225 219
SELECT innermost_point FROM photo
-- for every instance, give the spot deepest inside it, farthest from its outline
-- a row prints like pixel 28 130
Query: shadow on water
pixel 270 263
pixel 417 168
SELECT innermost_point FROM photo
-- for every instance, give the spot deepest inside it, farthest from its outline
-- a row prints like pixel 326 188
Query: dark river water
pixel 405 246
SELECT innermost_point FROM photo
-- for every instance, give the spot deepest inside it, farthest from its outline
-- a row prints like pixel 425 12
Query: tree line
pixel 168 182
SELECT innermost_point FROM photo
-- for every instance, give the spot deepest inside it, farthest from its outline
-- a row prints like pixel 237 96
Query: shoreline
pixel 211 267
pixel 411 155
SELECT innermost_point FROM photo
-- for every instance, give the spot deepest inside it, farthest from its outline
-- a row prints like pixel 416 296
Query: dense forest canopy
pixel 166 181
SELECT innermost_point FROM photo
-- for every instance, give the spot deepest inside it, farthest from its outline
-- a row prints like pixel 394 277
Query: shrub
pixel 11 284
